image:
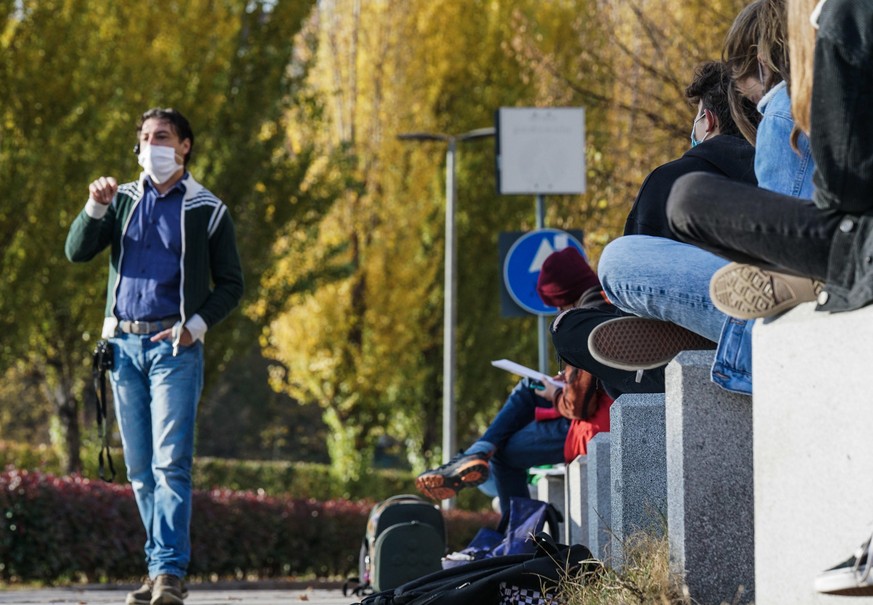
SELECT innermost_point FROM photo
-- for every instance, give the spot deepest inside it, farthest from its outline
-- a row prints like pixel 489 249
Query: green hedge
pixel 305 479
pixel 61 528
pixel 273 478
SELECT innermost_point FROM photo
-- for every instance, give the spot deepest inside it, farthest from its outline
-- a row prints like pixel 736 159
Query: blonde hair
pixel 802 49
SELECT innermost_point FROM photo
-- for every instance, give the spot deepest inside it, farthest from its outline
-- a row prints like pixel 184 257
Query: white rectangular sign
pixel 540 150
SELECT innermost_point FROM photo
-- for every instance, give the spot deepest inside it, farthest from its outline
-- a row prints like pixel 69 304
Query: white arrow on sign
pixel 561 241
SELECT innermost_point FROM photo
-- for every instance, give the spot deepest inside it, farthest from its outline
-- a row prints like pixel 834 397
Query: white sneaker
pixel 851 578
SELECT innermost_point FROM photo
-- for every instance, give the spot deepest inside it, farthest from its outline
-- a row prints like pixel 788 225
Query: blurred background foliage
pixel 336 354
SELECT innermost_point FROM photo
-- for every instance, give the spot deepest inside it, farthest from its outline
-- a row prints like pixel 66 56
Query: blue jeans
pixel 522 442
pixel 156 396
pixel 662 279
pixel 669 280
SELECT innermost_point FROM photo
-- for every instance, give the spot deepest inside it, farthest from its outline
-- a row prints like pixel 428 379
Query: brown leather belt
pixel 146 327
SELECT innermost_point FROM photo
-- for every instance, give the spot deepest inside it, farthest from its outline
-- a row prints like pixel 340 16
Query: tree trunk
pixel 66 408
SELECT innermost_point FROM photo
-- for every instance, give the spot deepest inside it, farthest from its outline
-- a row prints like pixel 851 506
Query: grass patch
pixel 646 578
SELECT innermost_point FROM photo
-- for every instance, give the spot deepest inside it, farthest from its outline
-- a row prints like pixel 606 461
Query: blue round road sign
pixel 523 263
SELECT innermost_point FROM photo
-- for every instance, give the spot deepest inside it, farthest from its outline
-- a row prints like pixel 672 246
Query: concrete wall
pixel 813 448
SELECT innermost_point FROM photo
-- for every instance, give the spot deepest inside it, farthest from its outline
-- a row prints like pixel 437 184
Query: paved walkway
pixel 202 594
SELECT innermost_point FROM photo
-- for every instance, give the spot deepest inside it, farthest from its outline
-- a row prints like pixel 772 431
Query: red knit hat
pixel 564 277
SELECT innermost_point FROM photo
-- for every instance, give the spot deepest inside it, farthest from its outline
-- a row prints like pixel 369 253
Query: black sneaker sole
pixel 637 343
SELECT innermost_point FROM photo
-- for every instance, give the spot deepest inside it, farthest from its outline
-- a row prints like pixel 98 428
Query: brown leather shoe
pixel 168 590
pixel 142 595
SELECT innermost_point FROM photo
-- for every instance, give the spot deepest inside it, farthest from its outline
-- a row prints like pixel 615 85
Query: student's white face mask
pixel 159 162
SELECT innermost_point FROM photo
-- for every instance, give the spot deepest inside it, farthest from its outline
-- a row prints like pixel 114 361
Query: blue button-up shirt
pixel 151 261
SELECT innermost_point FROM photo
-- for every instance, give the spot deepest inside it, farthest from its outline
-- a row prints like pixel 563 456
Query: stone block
pixel 576 507
pixel 638 458
pixel 710 494
pixel 551 489
pixel 599 496
pixel 813 453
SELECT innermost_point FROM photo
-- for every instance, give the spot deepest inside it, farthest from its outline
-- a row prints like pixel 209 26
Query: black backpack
pixel 509 579
pixel 405 539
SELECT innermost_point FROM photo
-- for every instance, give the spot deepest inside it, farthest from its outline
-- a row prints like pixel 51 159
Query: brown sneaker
pixel 637 343
pixel 168 590
pixel 444 482
pixel 142 595
pixel 750 292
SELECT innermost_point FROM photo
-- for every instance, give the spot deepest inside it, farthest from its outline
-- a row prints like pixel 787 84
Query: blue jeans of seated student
pixel 664 279
pixel 156 396
pixel 522 442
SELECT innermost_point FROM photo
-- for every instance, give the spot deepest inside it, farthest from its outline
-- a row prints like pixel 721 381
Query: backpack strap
pixel 553 519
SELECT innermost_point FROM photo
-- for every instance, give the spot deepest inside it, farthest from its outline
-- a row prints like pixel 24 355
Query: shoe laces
pixel 865 555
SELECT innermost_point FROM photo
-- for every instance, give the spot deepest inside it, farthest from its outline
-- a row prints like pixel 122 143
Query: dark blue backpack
pixel 514 535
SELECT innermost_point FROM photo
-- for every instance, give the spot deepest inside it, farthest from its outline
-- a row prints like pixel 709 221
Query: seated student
pixel 538 427
pixel 788 245
pixel 717 147
pixel 668 282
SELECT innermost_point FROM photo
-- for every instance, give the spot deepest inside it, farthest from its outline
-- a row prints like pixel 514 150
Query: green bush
pixel 56 529
pixel 303 479
pixel 270 477
pixel 40 457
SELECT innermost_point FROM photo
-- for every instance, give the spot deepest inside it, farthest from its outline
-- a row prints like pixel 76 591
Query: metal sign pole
pixel 542 330
pixel 450 313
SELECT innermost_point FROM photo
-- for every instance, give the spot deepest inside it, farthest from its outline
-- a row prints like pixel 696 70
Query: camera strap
pixel 99 375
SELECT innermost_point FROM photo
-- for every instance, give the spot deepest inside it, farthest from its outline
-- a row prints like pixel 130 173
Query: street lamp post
pixel 450 314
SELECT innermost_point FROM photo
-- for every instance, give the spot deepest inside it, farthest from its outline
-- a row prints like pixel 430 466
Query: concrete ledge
pixel 710 516
pixel 550 488
pixel 639 469
pixel 599 496
pixel 813 451
pixel 576 507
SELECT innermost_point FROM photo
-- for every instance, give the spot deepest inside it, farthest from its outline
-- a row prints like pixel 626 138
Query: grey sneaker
pixel 638 343
pixel 142 595
pixel 750 292
pixel 851 578
pixel 168 590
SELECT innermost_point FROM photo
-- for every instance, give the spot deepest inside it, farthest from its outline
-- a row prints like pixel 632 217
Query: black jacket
pixel 570 331
pixel 842 146
pixel 725 155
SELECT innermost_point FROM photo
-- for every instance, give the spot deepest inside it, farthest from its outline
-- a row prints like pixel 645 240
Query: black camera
pixel 103 355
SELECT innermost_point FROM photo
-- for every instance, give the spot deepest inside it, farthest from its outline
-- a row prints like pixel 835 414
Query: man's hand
pixel 186 340
pixel 103 190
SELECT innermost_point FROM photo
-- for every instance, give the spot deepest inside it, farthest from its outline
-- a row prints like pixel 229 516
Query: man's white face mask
pixel 159 162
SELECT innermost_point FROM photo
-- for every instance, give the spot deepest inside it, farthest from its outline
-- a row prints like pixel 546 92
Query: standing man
pixel 174 272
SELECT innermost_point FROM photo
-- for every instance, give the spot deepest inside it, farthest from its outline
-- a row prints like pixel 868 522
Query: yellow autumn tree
pixel 364 341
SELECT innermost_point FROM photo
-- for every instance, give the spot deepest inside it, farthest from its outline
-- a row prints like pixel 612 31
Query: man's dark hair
pixel 712 85
pixel 178 123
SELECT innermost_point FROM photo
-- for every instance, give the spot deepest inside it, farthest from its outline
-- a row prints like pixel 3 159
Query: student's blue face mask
pixel 694 141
